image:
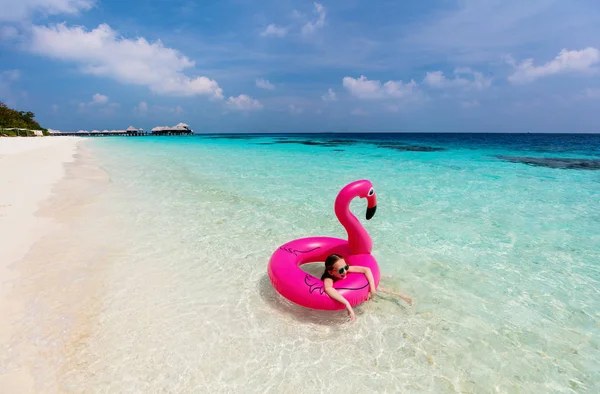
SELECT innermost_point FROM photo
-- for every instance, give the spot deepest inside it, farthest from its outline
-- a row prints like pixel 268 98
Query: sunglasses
pixel 341 270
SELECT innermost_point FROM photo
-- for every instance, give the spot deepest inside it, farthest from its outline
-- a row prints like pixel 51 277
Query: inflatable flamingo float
pixel 304 289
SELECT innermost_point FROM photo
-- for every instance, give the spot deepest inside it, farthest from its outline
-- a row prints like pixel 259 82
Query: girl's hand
pixel 350 312
pixel 372 293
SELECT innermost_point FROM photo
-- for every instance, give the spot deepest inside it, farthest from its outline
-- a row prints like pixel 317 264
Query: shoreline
pixel 31 168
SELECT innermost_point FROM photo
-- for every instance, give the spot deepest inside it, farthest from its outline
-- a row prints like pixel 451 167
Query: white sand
pixel 29 167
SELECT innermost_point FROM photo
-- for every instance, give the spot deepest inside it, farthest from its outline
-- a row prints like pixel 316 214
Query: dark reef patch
pixel 555 162
pixel 311 143
pixel 402 147
pixel 324 143
pixel 336 143
pixel 343 142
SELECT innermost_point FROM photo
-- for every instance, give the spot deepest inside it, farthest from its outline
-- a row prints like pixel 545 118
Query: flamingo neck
pixel 359 240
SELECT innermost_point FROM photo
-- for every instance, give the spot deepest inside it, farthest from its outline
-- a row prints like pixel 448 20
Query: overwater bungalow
pixel 133 130
pixel 94 133
pixel 179 129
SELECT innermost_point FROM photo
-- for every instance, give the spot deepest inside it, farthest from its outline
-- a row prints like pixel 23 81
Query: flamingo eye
pixel 371 191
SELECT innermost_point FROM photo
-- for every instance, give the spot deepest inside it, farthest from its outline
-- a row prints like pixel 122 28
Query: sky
pixel 303 66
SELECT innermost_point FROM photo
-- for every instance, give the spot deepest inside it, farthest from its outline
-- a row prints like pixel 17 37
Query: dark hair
pixel 331 260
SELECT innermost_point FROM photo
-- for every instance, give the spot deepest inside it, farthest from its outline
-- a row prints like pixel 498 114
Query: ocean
pixel 158 280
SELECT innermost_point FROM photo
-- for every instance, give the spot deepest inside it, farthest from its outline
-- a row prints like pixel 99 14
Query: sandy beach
pixel 29 168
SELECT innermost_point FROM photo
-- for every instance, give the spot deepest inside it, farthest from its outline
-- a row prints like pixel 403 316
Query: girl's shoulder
pixel 327 275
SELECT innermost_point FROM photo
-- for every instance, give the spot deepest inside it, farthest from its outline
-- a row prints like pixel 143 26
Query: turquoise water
pixel 501 258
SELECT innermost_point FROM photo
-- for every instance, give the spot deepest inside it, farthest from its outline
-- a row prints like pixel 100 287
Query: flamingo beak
pixel 371 206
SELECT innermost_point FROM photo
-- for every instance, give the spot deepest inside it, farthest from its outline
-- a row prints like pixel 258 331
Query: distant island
pixel 15 123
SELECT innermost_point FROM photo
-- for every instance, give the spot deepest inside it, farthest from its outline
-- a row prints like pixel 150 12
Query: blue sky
pixel 302 66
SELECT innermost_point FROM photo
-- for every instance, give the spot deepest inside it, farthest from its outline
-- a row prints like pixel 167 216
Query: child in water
pixel 336 269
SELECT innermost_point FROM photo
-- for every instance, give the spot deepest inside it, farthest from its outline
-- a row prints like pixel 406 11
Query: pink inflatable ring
pixel 304 289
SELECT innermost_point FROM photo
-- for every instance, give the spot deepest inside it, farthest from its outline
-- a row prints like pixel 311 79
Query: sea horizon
pixel 402 132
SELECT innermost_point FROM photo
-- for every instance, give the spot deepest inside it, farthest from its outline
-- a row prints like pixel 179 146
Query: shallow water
pixel 501 258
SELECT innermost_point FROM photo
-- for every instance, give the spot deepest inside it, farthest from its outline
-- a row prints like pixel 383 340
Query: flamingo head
pixel 371 203
pixel 363 189
pixel 366 190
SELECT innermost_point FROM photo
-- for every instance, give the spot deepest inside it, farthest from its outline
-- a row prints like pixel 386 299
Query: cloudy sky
pixel 295 66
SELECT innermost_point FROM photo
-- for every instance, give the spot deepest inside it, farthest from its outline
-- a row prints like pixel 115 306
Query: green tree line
pixel 11 118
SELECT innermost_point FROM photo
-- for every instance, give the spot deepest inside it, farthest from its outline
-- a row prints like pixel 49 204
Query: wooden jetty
pixel 101 134
pixel 180 129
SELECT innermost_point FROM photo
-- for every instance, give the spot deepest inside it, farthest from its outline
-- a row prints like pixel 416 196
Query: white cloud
pixel 478 31
pixel 297 14
pixel 54 108
pixel 244 102
pixel 13 10
pixel 100 102
pixel 311 27
pixel 581 61
pixel 274 30
pixel 102 52
pixel 371 89
pixel 434 78
pixel 437 79
pixel 329 96
pixel 99 99
pixel 141 108
pixel 308 28
pixel 264 84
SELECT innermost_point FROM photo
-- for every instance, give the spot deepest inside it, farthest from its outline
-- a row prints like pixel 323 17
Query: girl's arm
pixel 368 274
pixel 398 294
pixel 333 293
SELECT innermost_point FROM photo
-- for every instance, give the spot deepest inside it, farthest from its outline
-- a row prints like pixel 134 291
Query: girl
pixel 336 269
